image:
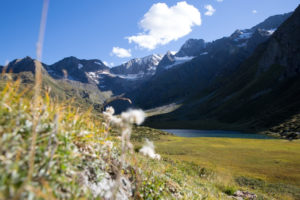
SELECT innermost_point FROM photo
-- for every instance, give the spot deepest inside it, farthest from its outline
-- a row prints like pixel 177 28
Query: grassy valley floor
pixel 270 167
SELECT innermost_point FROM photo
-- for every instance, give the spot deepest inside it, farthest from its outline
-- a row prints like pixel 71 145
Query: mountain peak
pixel 25 59
pixel 272 22
pixel 25 64
pixel 76 68
pixel 146 65
pixel 70 59
pixel 191 47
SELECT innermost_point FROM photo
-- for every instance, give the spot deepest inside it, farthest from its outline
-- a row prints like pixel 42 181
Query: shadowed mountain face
pixel 192 47
pixel 272 22
pixel 178 78
pixel 22 65
pixel 75 68
pixel 261 92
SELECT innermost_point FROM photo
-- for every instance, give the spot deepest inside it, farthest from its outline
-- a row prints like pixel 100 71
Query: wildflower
pixel 108 144
pixel 109 117
pixel 148 150
pixel 28 124
pixel 133 116
pixel 83 133
pixel 110 110
pixel 124 122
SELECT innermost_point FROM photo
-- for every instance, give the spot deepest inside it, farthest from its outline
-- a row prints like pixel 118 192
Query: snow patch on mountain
pixel 80 66
pixel 94 76
pixel 271 31
pixel 131 76
pixel 146 65
pixel 243 35
pixel 152 60
pixel 179 60
pixel 97 76
pixel 98 63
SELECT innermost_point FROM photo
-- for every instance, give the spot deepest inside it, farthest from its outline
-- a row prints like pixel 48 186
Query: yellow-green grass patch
pixel 275 161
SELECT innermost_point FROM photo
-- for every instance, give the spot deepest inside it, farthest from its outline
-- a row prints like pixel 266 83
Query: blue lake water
pixel 215 133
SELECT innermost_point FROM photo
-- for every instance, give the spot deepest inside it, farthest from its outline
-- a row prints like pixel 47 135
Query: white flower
pixel 116 121
pixel 148 150
pixel 110 110
pixel 28 124
pixel 133 116
pixel 83 133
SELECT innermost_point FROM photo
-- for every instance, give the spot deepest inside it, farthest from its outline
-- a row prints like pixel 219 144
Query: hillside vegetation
pixel 76 156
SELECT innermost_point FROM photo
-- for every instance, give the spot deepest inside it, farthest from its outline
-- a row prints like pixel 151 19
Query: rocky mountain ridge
pixel 262 92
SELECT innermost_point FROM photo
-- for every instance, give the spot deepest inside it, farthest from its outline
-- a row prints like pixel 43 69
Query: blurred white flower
pixel 28 124
pixel 116 121
pixel 110 110
pixel 83 133
pixel 108 144
pixel 133 116
pixel 148 150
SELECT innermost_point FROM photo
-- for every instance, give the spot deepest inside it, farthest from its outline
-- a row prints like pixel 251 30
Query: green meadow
pixel 271 160
pixel 270 167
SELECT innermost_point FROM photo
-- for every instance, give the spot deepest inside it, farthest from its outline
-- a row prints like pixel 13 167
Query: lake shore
pixel 215 133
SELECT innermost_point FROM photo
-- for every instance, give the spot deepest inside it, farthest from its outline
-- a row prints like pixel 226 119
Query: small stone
pixel 238 193
pixel 244 195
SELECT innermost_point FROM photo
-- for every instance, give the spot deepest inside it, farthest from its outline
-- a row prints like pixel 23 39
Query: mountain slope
pixel 75 68
pixel 83 94
pixel 191 47
pixel 272 22
pixel 263 92
pixel 23 65
pixel 177 81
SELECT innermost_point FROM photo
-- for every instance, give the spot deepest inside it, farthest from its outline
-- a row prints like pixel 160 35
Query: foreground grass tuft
pixel 62 133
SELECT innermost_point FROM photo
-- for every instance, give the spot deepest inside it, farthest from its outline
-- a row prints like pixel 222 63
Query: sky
pixel 116 31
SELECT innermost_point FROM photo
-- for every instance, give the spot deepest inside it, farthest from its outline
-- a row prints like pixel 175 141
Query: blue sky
pixel 91 28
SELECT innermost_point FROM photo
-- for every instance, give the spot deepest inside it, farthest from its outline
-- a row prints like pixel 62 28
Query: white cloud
pixel 163 24
pixel 219 0
pixel 210 10
pixel 121 52
pixel 254 11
